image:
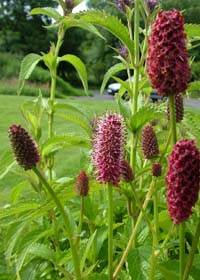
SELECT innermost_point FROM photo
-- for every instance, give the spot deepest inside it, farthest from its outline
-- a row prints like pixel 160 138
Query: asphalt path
pixel 189 102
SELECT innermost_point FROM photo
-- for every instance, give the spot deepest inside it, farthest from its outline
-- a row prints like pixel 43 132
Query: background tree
pixel 21 33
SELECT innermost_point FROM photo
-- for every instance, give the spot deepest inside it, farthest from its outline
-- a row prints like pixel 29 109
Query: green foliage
pixel 110 23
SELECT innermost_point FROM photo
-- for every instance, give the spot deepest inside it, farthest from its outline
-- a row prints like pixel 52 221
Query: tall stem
pixel 66 219
pixel 182 225
pixel 155 237
pixel 53 72
pixel 181 250
pixel 110 231
pixel 136 79
pixel 192 252
pixel 135 229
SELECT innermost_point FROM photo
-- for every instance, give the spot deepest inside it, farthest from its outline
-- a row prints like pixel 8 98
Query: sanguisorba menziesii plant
pixel 118 162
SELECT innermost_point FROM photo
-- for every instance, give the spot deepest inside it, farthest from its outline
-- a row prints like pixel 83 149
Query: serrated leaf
pixel 55 143
pixel 83 123
pixel 42 251
pixel 143 116
pixel 192 29
pixel 31 241
pixel 18 208
pixel 170 270
pixel 138 264
pixel 79 66
pixel 111 23
pixel 124 108
pixel 28 64
pixel 110 73
pixel 47 11
pixel 71 22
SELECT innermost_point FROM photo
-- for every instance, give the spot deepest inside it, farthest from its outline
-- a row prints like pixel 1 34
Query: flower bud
pixel 82 184
pixel 151 5
pixel 179 108
pixel 126 171
pixel 24 147
pixel 149 142
pixel 123 51
pixel 183 179
pixel 121 4
pixel 156 169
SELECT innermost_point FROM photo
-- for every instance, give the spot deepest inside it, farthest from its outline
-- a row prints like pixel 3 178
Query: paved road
pixel 192 103
pixel 189 102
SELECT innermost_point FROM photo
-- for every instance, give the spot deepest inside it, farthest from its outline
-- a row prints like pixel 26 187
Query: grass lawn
pixel 68 161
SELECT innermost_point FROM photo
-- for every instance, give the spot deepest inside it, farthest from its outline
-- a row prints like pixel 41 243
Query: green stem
pixel 75 256
pixel 166 239
pixel 135 229
pixel 141 207
pixel 80 219
pixel 110 231
pixel 136 79
pixel 182 250
pixel 155 237
pixel 192 252
pixel 53 72
pixel 182 225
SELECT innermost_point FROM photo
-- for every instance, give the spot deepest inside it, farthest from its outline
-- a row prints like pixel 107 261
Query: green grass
pixel 68 161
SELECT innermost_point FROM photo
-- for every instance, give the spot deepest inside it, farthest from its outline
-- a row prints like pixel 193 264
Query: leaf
pixel 66 107
pixel 84 124
pixel 6 163
pixel 194 86
pixel 17 190
pixel 192 29
pixel 12 242
pixel 170 270
pixel 124 108
pixel 109 22
pixel 47 11
pixel 28 64
pixel 71 22
pixel 42 251
pixel 110 73
pixel 31 241
pixel 18 208
pixel 55 143
pixel 96 276
pixel 143 116
pixel 124 84
pixel 79 66
pixel 138 263
pixel 87 250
